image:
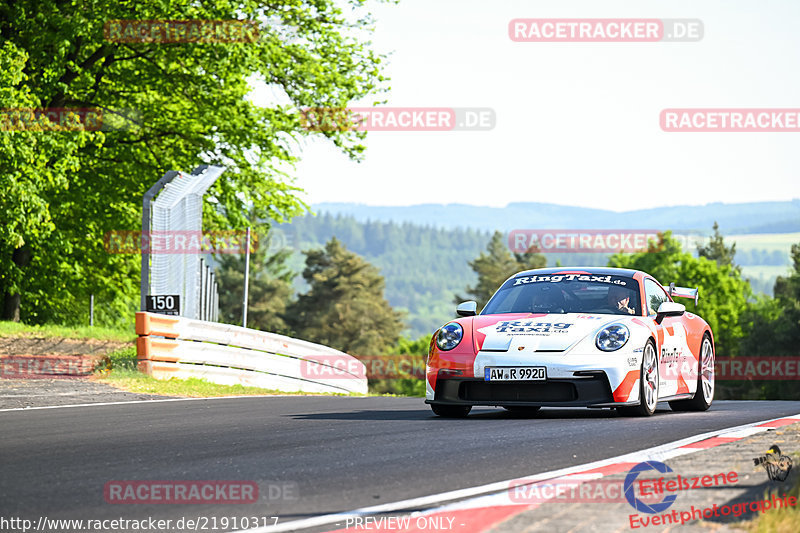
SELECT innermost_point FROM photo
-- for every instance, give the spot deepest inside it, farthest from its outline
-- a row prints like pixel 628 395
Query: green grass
pixel 122 360
pixel 135 381
pixel 17 329
pixel 118 369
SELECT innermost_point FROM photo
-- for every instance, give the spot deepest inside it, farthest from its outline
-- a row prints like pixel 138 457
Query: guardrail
pixel 178 347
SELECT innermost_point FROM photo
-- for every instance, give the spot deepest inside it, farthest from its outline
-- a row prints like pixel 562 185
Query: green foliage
pixel 787 289
pixel 723 293
pixel 123 359
pixel 497 265
pixel 34 166
pixel 414 347
pixel 716 250
pixel 413 353
pixel 269 292
pixel 344 307
pixel 771 328
pixel 423 266
pixel 61 191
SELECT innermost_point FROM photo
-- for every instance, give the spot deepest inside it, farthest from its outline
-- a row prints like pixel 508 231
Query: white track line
pixel 662 451
pixel 159 401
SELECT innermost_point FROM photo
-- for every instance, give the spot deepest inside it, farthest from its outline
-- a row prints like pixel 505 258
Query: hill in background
pixel 761 217
pixel 426 265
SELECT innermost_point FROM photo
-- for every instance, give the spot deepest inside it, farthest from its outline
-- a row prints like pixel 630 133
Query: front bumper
pixel 590 390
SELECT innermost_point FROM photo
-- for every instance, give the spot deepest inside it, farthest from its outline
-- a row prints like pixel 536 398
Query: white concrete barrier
pixel 177 347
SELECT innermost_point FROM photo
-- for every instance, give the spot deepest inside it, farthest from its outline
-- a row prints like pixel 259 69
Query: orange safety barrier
pixel 152 324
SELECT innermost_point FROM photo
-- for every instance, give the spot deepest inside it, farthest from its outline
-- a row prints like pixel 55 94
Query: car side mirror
pixel 669 309
pixel 469 308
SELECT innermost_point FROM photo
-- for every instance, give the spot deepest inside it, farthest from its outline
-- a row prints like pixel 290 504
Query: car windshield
pixel 566 293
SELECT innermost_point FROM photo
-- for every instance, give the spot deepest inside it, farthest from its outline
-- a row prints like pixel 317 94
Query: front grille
pixel 487 391
pixel 587 390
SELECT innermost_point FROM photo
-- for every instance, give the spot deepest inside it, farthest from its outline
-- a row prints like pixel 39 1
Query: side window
pixel 655 295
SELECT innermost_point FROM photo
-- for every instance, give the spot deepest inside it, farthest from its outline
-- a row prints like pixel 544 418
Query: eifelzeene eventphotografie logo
pixel 777 466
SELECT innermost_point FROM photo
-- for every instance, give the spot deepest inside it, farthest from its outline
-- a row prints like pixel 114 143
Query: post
pixel 207 296
pixel 216 302
pixel 211 284
pixel 203 282
pixel 144 288
pixel 246 276
pixel 91 310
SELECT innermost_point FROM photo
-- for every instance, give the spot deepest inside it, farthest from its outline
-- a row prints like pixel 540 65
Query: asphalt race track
pixel 309 455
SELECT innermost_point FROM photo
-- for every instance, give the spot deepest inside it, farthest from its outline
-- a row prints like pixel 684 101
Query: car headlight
pixel 612 337
pixel 449 336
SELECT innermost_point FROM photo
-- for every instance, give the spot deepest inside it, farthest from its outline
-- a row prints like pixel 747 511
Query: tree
pixel 406 354
pixel 172 105
pixel 771 328
pixel 345 307
pixel 269 289
pixel 772 325
pixel 497 265
pixel 716 250
pixel 723 293
pixel 33 167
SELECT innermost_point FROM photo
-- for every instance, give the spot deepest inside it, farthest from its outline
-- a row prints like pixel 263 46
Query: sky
pixel 576 123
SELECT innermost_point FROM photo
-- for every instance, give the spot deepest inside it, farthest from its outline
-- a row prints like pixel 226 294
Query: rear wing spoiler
pixel 684 292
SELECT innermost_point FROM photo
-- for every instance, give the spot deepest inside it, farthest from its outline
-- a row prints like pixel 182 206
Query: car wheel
pixel 451 411
pixel 522 409
pixel 704 394
pixel 648 384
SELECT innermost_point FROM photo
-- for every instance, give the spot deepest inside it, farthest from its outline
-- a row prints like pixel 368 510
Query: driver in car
pixel 549 300
pixel 619 299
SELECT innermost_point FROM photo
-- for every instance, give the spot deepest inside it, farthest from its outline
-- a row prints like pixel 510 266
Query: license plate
pixel 514 373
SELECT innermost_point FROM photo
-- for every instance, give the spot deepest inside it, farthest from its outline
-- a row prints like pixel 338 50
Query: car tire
pixel 522 409
pixel 704 395
pixel 451 411
pixel 648 384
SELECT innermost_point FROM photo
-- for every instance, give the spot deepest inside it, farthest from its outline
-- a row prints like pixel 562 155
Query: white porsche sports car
pixel 593 337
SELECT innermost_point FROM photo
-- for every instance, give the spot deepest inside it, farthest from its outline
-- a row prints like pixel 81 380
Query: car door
pixel 673 351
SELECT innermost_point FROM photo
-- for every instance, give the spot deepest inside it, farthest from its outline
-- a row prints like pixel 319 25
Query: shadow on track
pixel 479 414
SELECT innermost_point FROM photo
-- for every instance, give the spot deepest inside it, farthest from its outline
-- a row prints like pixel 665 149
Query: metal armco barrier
pixel 178 347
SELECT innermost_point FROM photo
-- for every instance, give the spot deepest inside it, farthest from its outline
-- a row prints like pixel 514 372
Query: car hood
pixel 553 332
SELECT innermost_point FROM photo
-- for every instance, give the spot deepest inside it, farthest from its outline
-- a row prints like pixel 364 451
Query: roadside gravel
pixel 16 393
